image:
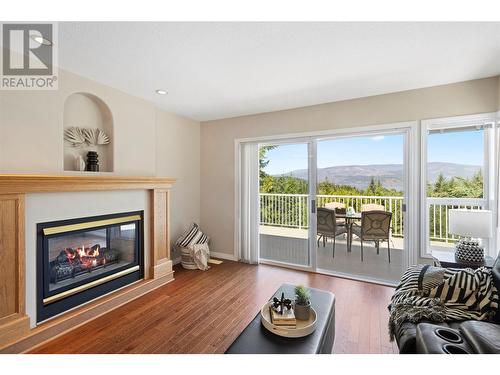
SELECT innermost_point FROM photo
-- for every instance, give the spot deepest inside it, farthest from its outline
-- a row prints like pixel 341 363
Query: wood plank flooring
pixel 203 312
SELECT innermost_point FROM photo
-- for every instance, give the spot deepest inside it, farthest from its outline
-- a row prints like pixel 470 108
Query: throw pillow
pixel 193 235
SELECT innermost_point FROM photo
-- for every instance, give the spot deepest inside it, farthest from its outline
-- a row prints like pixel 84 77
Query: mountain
pixel 390 175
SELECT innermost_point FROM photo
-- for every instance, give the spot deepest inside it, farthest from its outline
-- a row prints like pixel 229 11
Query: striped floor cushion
pixel 192 236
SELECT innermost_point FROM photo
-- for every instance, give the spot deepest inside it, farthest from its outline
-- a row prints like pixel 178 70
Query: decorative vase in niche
pixel 92 161
pixel 79 163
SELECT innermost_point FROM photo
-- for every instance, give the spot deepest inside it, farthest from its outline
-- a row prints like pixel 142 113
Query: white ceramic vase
pixel 79 163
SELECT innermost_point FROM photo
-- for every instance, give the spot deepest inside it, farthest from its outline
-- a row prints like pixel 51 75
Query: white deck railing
pixel 291 210
pixel 438 208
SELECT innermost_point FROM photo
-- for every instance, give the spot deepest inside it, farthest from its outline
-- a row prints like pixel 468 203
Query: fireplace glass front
pixel 77 257
pixel 80 259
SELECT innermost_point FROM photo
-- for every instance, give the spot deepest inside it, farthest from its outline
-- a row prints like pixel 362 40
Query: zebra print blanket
pixel 442 294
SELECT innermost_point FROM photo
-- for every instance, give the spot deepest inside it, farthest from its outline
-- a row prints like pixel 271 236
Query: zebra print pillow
pixel 193 235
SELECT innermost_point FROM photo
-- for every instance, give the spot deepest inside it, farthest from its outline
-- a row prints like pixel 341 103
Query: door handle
pixel 313 206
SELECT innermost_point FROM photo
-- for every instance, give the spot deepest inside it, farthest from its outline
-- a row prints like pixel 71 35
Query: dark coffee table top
pixel 255 339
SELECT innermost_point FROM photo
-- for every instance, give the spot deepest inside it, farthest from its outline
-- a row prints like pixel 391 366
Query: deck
pixel 289 245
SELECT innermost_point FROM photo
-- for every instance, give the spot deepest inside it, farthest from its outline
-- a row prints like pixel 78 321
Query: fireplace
pixel 85 258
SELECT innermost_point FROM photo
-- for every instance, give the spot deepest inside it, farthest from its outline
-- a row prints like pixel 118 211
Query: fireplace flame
pixel 86 256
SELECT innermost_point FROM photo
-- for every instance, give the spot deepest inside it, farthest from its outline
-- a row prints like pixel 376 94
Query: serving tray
pixel 304 327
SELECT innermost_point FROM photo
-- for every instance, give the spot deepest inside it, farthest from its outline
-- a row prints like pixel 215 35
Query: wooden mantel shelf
pixel 14 323
pixel 27 183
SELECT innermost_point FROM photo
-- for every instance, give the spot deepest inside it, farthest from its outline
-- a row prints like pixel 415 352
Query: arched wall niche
pixel 86 110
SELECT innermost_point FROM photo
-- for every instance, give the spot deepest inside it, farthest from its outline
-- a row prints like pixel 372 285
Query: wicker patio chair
pixel 372 207
pixel 375 226
pixel 339 209
pixel 327 226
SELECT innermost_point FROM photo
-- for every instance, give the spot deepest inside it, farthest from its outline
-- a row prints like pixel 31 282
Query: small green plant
pixel 302 295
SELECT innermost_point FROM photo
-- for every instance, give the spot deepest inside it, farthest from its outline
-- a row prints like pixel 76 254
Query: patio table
pixel 349 221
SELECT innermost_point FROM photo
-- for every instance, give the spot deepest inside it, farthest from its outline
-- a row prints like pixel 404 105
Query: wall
pixel 178 149
pixel 146 140
pixel 217 146
pixel 32 124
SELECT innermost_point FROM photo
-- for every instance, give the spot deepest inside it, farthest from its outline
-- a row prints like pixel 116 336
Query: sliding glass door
pixel 284 203
pixel 361 183
pixel 311 197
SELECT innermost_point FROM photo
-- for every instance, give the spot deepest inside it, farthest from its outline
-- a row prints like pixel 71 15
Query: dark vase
pixel 92 161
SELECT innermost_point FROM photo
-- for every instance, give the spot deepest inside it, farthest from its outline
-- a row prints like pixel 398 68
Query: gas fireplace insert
pixel 84 258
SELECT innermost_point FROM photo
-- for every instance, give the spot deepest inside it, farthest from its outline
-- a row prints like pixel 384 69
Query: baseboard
pixel 162 269
pixel 214 254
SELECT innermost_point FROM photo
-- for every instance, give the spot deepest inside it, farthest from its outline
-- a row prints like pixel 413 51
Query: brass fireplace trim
pixel 70 292
pixel 89 224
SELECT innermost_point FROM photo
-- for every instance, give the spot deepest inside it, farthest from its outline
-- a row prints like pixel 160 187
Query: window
pixel 457 160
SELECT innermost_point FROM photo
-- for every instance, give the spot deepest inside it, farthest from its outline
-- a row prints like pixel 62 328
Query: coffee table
pixel 255 339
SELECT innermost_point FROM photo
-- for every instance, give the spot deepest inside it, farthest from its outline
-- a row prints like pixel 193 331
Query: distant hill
pixel 390 175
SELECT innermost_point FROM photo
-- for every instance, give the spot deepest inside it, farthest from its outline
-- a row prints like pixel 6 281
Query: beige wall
pixel 178 154
pixel 146 141
pixel 32 123
pixel 217 145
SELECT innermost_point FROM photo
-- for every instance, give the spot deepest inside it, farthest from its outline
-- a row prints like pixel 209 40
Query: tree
pixel 372 188
pixel 263 161
pixel 328 188
pixel 457 187
pixel 440 184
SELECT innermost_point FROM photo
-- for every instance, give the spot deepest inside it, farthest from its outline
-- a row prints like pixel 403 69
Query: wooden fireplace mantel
pixel 27 183
pixel 14 323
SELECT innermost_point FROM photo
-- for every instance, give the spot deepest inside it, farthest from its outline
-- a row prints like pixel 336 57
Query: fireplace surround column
pixel 161 264
pixel 13 319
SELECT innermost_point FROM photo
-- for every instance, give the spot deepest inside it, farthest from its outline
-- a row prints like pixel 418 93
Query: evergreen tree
pixel 372 188
pixel 457 187
pixel 263 161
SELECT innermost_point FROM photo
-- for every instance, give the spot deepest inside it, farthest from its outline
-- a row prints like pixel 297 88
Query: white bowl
pixel 304 327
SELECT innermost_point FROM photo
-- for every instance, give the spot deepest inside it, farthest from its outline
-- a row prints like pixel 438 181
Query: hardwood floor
pixel 203 312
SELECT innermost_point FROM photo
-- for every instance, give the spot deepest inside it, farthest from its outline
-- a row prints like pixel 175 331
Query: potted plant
pixel 302 302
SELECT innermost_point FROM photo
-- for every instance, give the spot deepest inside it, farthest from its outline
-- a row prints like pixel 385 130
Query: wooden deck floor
pixel 203 312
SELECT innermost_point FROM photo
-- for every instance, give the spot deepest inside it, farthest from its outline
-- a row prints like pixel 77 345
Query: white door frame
pixel 411 160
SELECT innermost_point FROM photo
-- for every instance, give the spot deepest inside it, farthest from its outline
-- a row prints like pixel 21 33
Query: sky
pixel 457 147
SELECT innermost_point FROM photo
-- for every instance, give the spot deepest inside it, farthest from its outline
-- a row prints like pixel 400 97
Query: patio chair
pixel 327 226
pixel 339 209
pixel 375 226
pixel 372 207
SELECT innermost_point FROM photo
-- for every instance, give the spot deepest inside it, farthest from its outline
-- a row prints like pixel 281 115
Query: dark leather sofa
pixel 453 336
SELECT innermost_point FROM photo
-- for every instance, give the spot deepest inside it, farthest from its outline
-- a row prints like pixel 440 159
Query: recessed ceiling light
pixel 161 92
pixel 41 40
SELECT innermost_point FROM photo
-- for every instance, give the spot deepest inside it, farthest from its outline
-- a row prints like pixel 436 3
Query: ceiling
pixel 220 70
